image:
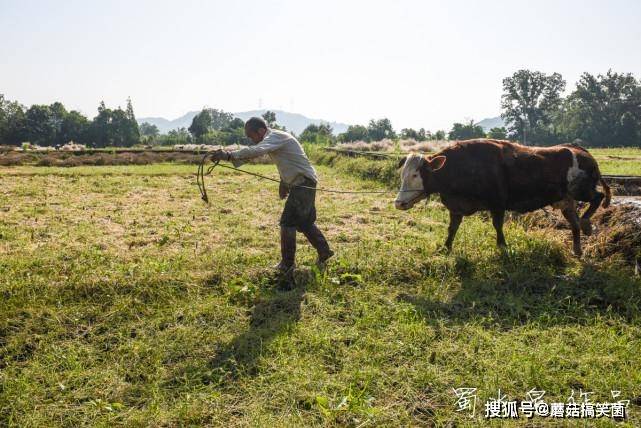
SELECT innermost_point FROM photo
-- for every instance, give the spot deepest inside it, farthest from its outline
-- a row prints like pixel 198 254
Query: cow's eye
pixel 415 175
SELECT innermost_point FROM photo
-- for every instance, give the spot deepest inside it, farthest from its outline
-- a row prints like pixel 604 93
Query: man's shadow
pixel 532 285
pixel 275 311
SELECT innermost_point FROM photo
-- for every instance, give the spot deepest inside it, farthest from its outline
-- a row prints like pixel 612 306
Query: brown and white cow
pixel 497 175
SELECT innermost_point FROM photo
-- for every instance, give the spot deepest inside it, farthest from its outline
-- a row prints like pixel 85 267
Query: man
pixel 297 178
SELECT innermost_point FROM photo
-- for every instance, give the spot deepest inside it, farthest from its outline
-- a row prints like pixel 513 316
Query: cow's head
pixel 415 178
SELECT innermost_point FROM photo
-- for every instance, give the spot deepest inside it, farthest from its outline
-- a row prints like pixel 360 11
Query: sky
pixel 419 63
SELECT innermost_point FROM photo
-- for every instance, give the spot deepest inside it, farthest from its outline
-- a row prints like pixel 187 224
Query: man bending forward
pixel 295 170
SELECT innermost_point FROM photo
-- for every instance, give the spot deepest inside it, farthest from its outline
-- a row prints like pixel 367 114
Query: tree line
pixel 602 110
pixel 54 125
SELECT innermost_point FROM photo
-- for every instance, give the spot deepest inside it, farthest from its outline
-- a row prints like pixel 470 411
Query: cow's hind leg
pixel 455 222
pixel 497 220
pixel 595 201
pixel 569 212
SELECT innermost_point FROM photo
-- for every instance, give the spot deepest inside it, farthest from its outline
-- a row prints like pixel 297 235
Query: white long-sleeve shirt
pixel 285 151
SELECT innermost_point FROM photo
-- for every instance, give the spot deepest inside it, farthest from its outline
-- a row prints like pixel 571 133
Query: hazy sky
pixel 420 63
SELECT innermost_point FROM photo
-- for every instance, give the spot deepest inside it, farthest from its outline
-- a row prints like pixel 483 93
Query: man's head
pixel 255 129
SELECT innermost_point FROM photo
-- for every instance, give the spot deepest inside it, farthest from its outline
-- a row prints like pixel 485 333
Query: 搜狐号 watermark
pixel 535 405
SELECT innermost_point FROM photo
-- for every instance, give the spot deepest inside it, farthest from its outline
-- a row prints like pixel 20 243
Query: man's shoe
pixel 321 260
pixel 318 241
pixel 283 268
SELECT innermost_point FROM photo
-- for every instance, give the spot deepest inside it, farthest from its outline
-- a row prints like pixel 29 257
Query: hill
pixel 293 121
pixel 491 122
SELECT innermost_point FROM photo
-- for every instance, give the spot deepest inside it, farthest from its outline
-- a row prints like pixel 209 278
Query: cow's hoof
pixel 586 227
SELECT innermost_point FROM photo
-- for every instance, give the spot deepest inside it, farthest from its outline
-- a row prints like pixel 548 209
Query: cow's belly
pixel 533 202
pixel 464 205
pixel 532 198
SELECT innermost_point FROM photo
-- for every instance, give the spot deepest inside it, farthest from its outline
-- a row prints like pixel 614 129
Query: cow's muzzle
pixel 406 205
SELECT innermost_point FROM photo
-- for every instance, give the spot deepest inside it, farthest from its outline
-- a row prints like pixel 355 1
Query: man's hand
pixel 219 154
pixel 283 190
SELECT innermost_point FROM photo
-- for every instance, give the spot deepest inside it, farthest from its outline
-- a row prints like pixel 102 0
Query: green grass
pixel 127 301
pixel 618 161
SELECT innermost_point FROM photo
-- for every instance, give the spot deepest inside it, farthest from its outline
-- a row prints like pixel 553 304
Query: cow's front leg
pixel 455 222
pixel 497 220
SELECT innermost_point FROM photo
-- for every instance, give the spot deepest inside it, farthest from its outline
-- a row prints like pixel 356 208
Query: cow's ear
pixel 401 161
pixel 436 162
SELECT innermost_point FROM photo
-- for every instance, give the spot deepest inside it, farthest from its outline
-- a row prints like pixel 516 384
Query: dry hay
pixel 616 229
pixel 387 145
pixel 70 159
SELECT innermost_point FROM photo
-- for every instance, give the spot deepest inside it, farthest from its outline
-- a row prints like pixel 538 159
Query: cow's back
pixel 499 174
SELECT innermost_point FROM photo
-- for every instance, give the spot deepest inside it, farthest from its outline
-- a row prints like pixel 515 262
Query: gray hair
pixel 255 123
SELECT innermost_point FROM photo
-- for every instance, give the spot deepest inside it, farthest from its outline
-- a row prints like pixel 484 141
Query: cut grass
pixel 127 301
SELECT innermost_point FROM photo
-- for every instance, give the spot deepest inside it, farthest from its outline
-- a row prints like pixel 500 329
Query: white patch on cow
pixel 411 183
pixel 574 172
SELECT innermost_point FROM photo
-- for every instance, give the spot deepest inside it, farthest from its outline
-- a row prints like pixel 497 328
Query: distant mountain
pixel 491 122
pixel 165 125
pixel 292 121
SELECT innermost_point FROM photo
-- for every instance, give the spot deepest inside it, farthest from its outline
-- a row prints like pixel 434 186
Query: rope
pixel 202 172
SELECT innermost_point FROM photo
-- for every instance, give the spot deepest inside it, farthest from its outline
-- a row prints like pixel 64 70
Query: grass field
pixel 621 161
pixel 127 301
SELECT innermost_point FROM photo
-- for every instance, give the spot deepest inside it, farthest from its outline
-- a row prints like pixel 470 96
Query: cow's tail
pixel 608 193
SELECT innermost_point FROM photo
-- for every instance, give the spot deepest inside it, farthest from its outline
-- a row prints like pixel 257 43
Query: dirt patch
pixel 625 186
pixel 617 229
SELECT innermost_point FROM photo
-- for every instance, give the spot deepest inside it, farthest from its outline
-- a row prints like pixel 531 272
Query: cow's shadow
pixel 274 312
pixel 532 286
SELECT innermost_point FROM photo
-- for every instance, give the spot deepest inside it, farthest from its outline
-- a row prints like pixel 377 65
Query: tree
pixel 149 130
pixel 530 102
pixel 270 118
pixel 319 134
pixel 220 119
pixel 58 114
pixel 99 130
pixel 201 124
pixel 40 126
pixel 175 136
pixel 75 127
pixel 412 134
pixel 4 120
pixel 466 131
pixel 439 135
pixel 497 133
pixel 130 126
pixel 353 133
pixel 115 127
pixel 603 110
pixel 119 128
pixel 380 129
pixel 236 123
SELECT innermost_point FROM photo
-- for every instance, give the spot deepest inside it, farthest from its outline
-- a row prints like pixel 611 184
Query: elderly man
pixel 297 179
